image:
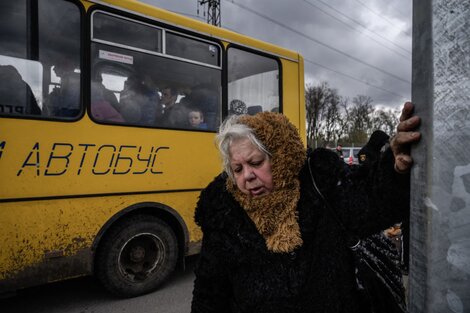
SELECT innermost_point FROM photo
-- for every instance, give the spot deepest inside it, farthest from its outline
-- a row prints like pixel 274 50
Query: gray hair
pixel 230 131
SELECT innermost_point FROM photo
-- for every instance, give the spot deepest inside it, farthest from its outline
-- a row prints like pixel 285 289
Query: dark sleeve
pixel 212 287
pixel 367 201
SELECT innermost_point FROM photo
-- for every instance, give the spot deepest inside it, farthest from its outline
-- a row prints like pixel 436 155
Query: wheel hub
pixel 137 254
pixel 141 256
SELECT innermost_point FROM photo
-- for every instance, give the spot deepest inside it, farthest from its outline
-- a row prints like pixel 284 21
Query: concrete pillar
pixel 439 280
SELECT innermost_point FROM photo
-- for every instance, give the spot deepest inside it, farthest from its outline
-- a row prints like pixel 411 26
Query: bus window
pixel 127 32
pixel 37 43
pixel 253 82
pixel 134 86
pixel 192 49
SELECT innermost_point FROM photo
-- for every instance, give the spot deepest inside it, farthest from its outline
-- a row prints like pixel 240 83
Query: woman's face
pixel 251 168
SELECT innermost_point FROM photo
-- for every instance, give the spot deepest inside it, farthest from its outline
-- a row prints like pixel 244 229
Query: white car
pixel 350 155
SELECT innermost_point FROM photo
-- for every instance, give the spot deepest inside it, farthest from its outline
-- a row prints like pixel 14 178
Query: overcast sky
pixel 357 46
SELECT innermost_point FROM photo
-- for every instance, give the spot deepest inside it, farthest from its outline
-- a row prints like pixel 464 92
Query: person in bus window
pixel 237 107
pixel 104 103
pixel 64 100
pixel 174 114
pixel 152 108
pixel 269 244
pixel 16 96
pixel 205 98
pixel 196 118
pixel 133 99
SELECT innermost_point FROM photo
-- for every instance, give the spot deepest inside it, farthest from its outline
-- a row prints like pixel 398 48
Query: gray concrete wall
pixel 439 278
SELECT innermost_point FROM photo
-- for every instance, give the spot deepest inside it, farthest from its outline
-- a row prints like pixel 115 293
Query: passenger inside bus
pixel 104 103
pixel 237 107
pixel 175 114
pixel 134 100
pixel 152 110
pixel 204 99
pixel 210 106
pixel 196 118
pixel 64 100
pixel 16 96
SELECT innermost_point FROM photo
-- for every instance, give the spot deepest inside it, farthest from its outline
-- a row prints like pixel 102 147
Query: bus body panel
pixel 53 239
pixel 293 105
pixel 82 156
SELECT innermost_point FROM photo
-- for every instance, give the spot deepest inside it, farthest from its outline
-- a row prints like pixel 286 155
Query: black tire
pixel 136 256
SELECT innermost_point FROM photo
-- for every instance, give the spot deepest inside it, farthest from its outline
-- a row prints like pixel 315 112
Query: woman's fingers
pixel 403 163
pixel 407 111
pixel 409 124
pixel 406 135
pixel 404 138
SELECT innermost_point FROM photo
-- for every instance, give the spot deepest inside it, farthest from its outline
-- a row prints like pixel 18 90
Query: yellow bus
pixel 108 111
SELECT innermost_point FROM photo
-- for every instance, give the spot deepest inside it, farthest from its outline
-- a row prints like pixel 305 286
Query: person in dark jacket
pixel 367 156
pixel 268 243
pixel 370 152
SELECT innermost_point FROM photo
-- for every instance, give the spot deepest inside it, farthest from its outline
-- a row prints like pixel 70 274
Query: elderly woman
pixel 269 244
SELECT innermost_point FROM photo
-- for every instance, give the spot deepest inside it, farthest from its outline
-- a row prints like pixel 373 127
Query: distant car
pixel 350 155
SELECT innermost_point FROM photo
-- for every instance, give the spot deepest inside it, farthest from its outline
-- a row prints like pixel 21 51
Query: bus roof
pixel 193 25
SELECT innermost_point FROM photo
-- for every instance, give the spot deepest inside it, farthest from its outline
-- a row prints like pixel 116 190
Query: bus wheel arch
pixel 138 249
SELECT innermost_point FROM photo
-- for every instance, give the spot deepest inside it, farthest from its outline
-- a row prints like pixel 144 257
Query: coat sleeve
pixel 212 287
pixel 366 199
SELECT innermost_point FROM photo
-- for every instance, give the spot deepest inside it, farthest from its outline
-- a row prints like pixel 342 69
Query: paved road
pixel 85 295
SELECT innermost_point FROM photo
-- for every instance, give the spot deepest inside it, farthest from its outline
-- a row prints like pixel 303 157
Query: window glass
pixel 356 152
pixel 136 88
pixel 253 83
pixel 192 49
pixel 126 32
pixel 40 40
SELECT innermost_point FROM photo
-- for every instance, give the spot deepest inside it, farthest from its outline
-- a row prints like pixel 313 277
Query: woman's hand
pixel 406 135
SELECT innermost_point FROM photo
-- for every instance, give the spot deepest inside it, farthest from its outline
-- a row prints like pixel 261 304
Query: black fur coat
pixel 236 272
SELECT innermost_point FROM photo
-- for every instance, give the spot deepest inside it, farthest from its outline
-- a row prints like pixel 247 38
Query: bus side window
pixel 156 86
pixel 43 37
pixel 253 80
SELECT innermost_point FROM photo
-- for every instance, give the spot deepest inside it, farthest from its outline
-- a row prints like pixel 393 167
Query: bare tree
pixel 343 122
pixel 332 119
pixel 385 120
pixel 315 99
pixel 360 119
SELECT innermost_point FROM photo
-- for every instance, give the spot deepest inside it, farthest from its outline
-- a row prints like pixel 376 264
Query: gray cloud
pixel 335 23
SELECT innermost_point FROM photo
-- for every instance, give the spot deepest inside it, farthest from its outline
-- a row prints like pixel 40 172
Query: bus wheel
pixel 136 256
